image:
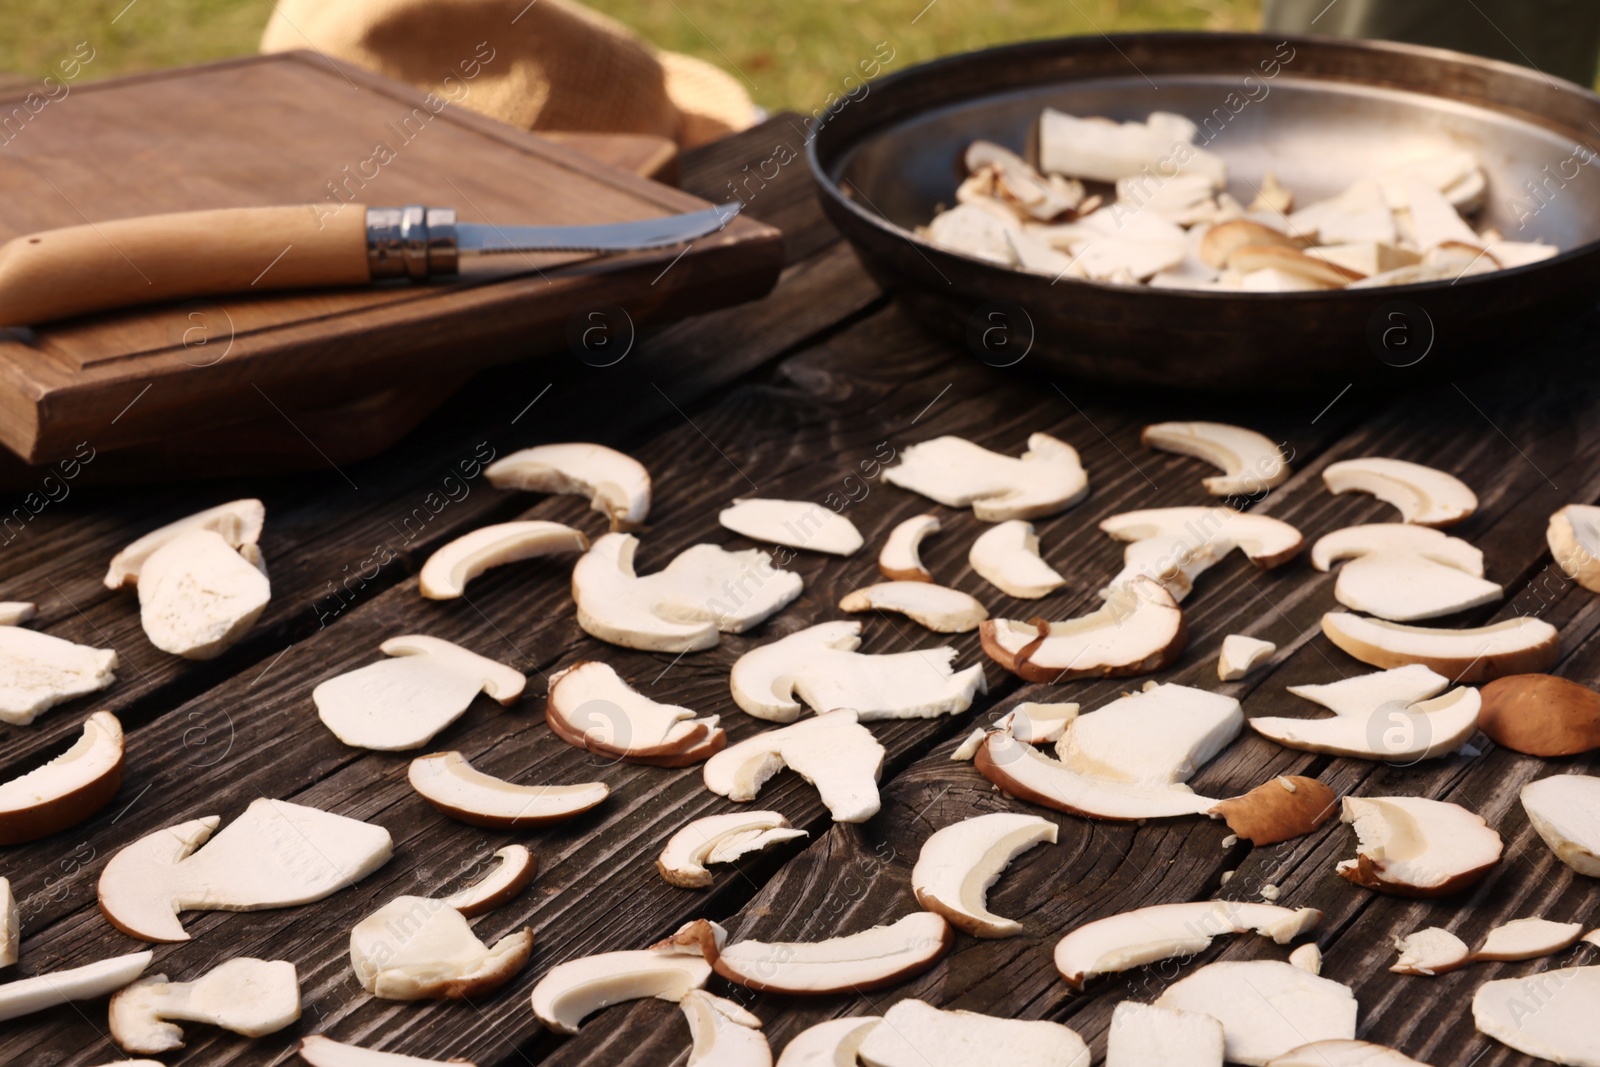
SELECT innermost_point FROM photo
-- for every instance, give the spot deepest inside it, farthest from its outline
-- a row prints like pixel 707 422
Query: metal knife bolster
pixel 413 242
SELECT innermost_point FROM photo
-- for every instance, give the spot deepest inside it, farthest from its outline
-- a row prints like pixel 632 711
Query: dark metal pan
pixel 1321 113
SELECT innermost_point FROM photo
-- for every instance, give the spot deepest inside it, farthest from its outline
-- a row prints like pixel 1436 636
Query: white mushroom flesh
pixel 198 594
pixel 1007 557
pixel 833 751
pixel 959 863
pixel 1240 655
pixel 1266 1007
pixel 1423 495
pixel 1047 478
pixel 901 557
pixel 916 1034
pixel 1145 935
pixel 1251 463
pixel 1146 1035
pixel 936 607
pixel 450 568
pixel 617 485
pixel 248 996
pixel 38 671
pixel 794 523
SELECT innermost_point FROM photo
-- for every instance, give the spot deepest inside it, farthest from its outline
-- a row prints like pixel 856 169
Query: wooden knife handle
pixel 156 258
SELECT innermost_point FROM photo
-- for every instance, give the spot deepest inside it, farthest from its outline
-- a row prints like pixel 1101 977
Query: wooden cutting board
pixel 299 128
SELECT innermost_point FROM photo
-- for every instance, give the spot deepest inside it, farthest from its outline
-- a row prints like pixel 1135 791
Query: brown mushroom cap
pixel 1540 715
pixel 1274 812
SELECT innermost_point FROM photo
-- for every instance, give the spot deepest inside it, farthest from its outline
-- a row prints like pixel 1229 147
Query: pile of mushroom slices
pixel 1163 216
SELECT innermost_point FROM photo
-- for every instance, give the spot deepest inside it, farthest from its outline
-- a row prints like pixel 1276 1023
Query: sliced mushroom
pixel 1384 716
pixel 719 839
pixel 1526 939
pixel 592 708
pixel 247 996
pixel 1429 952
pixel 38 671
pixel 1139 629
pixel 1574 536
pixel 682 607
pixel 833 1043
pixel 853 963
pixel 1416 847
pixel 901 558
pixel 16 612
pixel 10 925
pixel 1240 655
pixel 1176 545
pixel 1541 715
pixel 419 948
pixel 724 1034
pixel 821 666
pixel 981 230
pixel 1250 462
pixel 275 855
pixel 1565 811
pixel 1266 1007
pixel 449 569
pixel 239 522
pixel 1145 1035
pixel 937 607
pixel 832 751
pixel 1343 1053
pixel 448 782
pixel 1307 957
pixel 1094 149
pixel 955 472
pixel 402 702
pixel 959 863
pixel 1360 213
pixel 68 789
pixel 1549 1016
pixel 1221 241
pixel 916 1034
pixel 617 485
pixel 320 1051
pixel 795 523
pixel 572 990
pixel 1018 185
pixel 1277 810
pixel 198 594
pixel 1402 572
pixel 1366 258
pixel 1424 496
pixel 1134 938
pixel 24 996
pixel 510 876
pixel 1007 557
pixel 1515 646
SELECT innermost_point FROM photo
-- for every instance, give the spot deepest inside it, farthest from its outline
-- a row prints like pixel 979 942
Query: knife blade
pixel 185 255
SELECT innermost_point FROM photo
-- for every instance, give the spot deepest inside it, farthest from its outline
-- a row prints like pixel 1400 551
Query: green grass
pixel 789 53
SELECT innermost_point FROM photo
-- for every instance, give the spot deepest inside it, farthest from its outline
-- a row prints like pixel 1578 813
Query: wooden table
pixel 792 397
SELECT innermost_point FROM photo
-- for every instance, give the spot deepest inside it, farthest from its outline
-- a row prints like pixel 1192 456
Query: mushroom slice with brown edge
pixel 1176 545
pixel 1343 1052
pixel 1146 935
pixel 448 782
pixel 510 876
pixel 1240 655
pixel 833 751
pixel 821 666
pixel 1514 646
pixel 572 990
pixel 1221 241
pixel 1525 939
pixel 1403 573
pixel 68 789
pixel 853 963
pixel 1416 847
pixel 1564 810
pixel 321 1051
pixel 937 607
pixel 1266 1007
pixel 250 997
pixel 959 863
pixel 916 1034
pixel 955 472
pixel 1277 809
pixel 617 485
pixel 1424 495
pixel 1139 629
pixel 1007 557
pixel 591 708
pixel 16 612
pixel 1429 952
pixel 794 524
pixel 24 996
pixel 402 702
pixel 1541 715
pixel 1032 722
pixel 10 925
pixel 239 522
pixel 420 948
pixel 1574 536
pixel 1385 716
pixel 1549 1015
pixel 1144 1035
pixel 450 568
pixel 901 558
pixel 38 671
pixel 832 1043
pixel 1250 462
pixel 275 855
pixel 723 1033
pixel 719 839
pixel 681 608
pixel 198 594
